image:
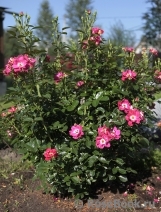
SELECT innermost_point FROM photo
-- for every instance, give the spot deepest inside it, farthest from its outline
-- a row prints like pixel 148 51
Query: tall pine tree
pixel 75 9
pixel 121 37
pixel 152 25
pixel 44 20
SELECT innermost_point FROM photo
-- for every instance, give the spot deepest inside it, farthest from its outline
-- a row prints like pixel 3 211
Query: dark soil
pixel 20 193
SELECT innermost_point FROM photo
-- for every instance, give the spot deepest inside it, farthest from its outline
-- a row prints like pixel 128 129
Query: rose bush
pixel 82 125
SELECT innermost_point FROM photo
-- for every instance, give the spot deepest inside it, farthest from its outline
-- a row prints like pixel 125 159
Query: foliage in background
pixel 44 21
pixel 11 46
pixel 152 23
pixel 83 125
pixel 74 12
pixel 119 36
pixel 156 158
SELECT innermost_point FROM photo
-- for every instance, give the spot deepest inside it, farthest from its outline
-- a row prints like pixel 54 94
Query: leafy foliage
pixel 74 12
pixel 44 22
pixel 119 36
pixel 49 103
pixel 11 46
pixel 152 24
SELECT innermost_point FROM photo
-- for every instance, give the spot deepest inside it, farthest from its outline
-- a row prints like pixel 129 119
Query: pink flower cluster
pixel 50 153
pixel 106 135
pixel 95 37
pixel 128 49
pixel 59 76
pixel 11 110
pixel 76 131
pixel 157 75
pixel 153 51
pixel 128 75
pixel 96 30
pixel 133 115
pixel 80 83
pixel 19 64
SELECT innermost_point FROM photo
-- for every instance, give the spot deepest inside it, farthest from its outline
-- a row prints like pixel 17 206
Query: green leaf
pixel 123 178
pixel 68 183
pixel 28 119
pixel 65 28
pixel 131 170
pixel 98 95
pixel 95 102
pixel 75 180
pixel 67 178
pixel 111 177
pixel 38 90
pixel 105 179
pixel 122 171
pixel 92 160
pixel 56 124
pixel 144 141
pixel 47 96
pixel 78 30
pixel 104 98
pixel 114 170
pixel 73 106
pixel 70 189
pixel 38 119
pixel 88 143
pixel 103 160
pixel 119 161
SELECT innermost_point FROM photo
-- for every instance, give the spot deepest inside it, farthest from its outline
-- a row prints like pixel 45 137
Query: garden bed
pixel 20 193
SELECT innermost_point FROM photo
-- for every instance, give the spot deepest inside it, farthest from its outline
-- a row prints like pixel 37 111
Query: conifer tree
pixel 152 24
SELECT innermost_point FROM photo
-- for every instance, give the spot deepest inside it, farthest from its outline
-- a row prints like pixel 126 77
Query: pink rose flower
pixel 59 76
pixel 7 71
pixel 80 83
pixel 156 200
pixel 128 49
pixel 134 116
pixel 115 133
pixel 85 44
pixel 12 110
pixel 19 64
pixel 124 105
pixel 76 131
pixel 106 135
pixel 153 51
pixel 103 141
pixel 96 30
pixel 50 153
pixel 104 130
pixel 128 74
pixel 96 39
pixel 157 75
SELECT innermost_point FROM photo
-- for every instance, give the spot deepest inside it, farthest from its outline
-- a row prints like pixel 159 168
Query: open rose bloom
pixel 76 131
pixel 133 115
pixel 50 153
pixel 128 75
pixel 19 64
pixel 106 135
